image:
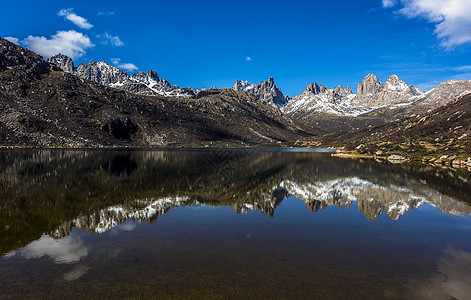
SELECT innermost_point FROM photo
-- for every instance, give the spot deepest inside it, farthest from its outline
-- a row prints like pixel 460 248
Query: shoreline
pixel 181 148
pixel 393 158
pixel 441 162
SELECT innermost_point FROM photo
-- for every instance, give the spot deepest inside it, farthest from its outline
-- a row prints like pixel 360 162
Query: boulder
pixel 396 159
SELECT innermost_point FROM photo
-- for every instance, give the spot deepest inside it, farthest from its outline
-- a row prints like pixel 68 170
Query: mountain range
pixel 316 99
pixel 54 103
pixel 337 109
pixel 372 94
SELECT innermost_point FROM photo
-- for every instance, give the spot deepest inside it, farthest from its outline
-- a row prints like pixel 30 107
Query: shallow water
pixel 230 224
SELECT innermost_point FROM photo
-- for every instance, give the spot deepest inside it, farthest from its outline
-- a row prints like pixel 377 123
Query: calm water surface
pixel 230 224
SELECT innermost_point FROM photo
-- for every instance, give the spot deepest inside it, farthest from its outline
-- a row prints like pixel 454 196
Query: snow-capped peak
pixel 394 83
pixel 106 74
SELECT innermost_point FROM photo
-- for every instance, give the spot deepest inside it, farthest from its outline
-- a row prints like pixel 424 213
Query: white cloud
pixel 64 251
pixel 77 20
pixel 248 58
pixel 389 3
pixel 12 39
pixel 108 39
pixel 451 17
pixel 70 43
pixel 126 66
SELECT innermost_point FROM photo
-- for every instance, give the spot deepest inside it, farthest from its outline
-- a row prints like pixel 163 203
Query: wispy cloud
pixel 70 43
pixel 463 68
pixel 248 58
pixel 451 17
pixel 76 19
pixel 12 39
pixel 105 13
pixel 389 3
pixel 452 277
pixel 76 273
pixel 108 39
pixel 126 66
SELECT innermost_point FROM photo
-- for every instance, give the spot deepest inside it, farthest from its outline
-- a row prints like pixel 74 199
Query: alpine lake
pixel 230 224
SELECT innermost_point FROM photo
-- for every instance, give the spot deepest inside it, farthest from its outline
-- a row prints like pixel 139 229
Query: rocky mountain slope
pixel 443 131
pixel 265 90
pixel 318 99
pixel 140 83
pixel 372 94
pixel 433 99
pixel 41 105
pixel 375 104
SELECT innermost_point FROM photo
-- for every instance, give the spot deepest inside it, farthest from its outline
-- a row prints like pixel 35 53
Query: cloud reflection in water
pixel 67 250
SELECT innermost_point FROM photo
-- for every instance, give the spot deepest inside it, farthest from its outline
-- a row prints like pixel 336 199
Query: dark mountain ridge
pixel 40 105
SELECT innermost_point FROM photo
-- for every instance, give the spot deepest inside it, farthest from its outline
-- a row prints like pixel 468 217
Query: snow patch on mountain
pixel 138 83
pixel 325 103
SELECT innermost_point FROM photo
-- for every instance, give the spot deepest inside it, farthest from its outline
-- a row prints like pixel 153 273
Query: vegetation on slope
pixel 444 131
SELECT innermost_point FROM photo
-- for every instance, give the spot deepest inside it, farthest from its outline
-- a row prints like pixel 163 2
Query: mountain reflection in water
pixel 52 191
pixel 82 224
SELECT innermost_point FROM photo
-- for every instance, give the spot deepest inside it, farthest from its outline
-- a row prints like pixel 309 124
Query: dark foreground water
pixel 230 224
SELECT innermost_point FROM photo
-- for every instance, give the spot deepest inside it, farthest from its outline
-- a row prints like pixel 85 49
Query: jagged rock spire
pixel 63 62
pixel 265 90
pixel 370 85
pixel 313 88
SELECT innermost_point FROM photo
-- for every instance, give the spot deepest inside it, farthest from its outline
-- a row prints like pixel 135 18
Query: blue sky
pixel 207 43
